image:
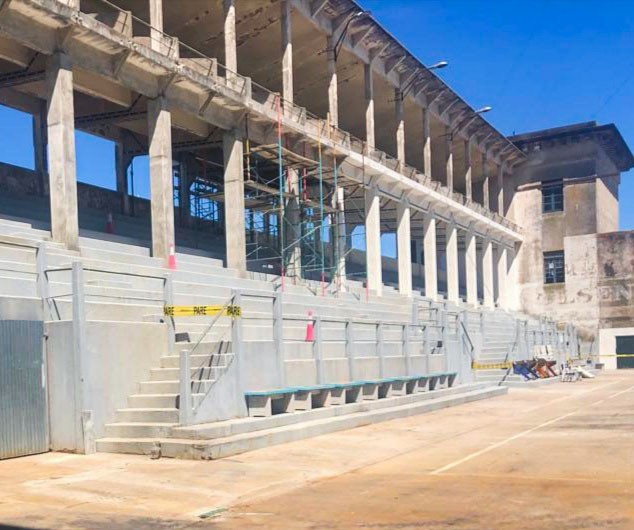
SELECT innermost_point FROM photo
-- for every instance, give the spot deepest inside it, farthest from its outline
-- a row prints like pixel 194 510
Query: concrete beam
pixel 161 177
pixel 15 53
pixel 235 233
pixel 429 249
pixel 61 150
pixel 374 270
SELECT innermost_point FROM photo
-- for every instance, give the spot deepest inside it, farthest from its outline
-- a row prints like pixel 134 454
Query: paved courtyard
pixel 561 456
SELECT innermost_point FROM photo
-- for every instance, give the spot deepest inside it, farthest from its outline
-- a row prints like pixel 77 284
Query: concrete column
pixel 500 190
pixel 369 106
pixel 292 210
pixel 39 148
pixel 333 96
pixel 122 162
pixel 453 292
pixel 287 51
pixel 373 240
pixel 60 120
pixel 426 143
pixel 292 228
pixel 449 159
pixel 400 126
pixel 471 269
pixel 234 203
pixel 502 275
pixel 431 267
pixel 404 248
pixel 156 22
pixel 487 272
pixel 342 239
pixel 486 184
pixel 161 176
pixel 468 175
pixel 231 47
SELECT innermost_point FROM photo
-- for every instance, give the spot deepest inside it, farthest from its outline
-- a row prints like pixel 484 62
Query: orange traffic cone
pixel 109 224
pixel 171 259
pixel 310 330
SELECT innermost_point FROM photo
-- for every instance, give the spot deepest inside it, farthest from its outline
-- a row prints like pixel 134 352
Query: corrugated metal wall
pixel 23 410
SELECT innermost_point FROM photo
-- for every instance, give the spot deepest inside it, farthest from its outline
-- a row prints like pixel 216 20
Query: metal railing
pixel 194 63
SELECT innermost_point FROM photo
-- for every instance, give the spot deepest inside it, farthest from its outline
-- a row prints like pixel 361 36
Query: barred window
pixel 554 267
pixel 553 197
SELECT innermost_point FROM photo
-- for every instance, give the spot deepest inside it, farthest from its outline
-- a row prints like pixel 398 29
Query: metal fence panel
pixel 23 409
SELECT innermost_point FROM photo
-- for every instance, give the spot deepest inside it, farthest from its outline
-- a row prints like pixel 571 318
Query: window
pixel 554 267
pixel 553 197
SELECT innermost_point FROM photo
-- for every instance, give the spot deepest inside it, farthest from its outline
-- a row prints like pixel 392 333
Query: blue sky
pixel 539 64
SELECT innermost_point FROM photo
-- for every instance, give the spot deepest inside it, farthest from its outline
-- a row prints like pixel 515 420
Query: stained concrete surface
pixel 560 456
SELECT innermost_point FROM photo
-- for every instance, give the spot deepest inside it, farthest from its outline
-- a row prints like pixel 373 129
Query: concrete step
pixel 168 400
pixel 172 387
pixel 157 415
pixel 347 417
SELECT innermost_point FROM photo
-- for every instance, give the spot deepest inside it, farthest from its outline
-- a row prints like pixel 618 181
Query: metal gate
pixel 23 409
pixel 625 352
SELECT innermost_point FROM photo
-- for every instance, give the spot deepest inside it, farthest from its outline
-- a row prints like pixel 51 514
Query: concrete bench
pixel 264 403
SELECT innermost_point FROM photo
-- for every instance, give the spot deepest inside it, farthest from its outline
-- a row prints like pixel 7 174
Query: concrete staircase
pixel 122 283
pixel 222 439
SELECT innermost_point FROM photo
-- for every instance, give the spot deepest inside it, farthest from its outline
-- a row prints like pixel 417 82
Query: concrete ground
pixel 561 456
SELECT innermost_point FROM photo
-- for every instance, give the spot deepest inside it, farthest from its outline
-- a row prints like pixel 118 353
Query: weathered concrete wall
pixel 116 356
pixel 607 195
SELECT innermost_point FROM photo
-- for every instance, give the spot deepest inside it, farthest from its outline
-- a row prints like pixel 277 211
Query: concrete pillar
pixel 468 175
pixel 234 203
pixel 453 292
pixel 287 51
pixel 231 47
pixel 39 148
pixel 449 159
pixel 122 162
pixel 404 248
pixel 502 275
pixel 487 272
pixel 156 22
pixel 341 238
pixel 292 209
pixel 161 176
pixel 292 227
pixel 500 190
pixel 426 143
pixel 369 106
pixel 60 121
pixel 333 96
pixel 471 269
pixel 400 126
pixel 486 184
pixel 373 240
pixel 431 267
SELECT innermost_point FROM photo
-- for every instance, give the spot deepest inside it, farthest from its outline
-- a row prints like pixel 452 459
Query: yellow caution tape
pixel 232 311
pixel 491 366
pixel 617 355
